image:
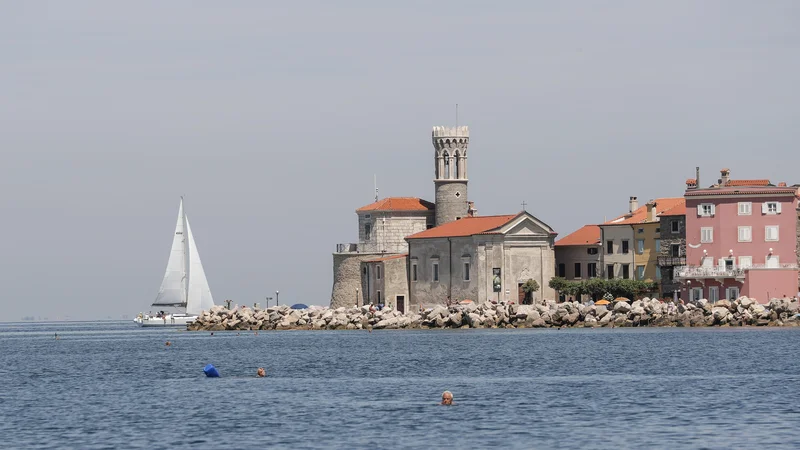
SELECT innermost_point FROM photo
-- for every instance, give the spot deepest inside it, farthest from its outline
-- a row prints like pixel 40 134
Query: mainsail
pixel 173 287
pixel 199 297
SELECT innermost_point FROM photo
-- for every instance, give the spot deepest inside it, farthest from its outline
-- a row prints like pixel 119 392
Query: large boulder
pixel 622 307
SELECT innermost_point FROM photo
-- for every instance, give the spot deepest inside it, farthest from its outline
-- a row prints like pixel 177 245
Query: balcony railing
pixel 726 272
pixel 668 261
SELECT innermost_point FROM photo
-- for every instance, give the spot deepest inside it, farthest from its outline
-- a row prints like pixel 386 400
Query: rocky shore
pixel 644 312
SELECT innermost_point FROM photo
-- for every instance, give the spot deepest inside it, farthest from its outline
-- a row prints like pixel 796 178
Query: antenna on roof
pixel 376 187
pixel 456 115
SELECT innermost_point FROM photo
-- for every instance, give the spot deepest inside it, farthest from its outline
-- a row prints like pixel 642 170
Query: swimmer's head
pixel 447 398
pixel 261 372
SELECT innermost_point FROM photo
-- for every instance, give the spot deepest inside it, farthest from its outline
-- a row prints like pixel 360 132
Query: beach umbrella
pixel 621 299
pixel 465 302
pixel 602 302
pixel 299 306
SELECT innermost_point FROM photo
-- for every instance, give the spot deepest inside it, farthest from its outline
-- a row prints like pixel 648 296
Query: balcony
pixel 695 272
pixel 669 261
pixel 346 248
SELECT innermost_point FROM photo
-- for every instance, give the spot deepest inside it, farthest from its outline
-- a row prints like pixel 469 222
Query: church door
pixel 401 303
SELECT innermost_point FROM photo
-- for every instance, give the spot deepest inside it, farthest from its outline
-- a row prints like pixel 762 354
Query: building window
pixel 591 270
pixel 640 230
pixel 379 297
pixel 658 274
pixel 675 250
pixel 610 271
pixel 367 231
pixel 640 246
pixel 625 246
pixel 626 271
pixel 562 270
pixel 364 270
pixel 772 261
pixel 610 247
pixel 706 235
pixel 771 233
pixel 436 271
pixel 706 209
pixel 771 208
pixel 745 208
pixel 745 234
pixel 414 272
pixel 675 226
pixel 745 262
pixel 640 272
pixel 466 271
pixel 577 270
pixel 658 230
pixel 377 272
pixel 591 250
pixel 658 245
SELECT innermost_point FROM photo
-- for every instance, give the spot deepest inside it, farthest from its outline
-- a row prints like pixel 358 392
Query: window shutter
pixel 700 210
pixel 721 263
pixel 764 208
pixel 778 207
pixel 713 209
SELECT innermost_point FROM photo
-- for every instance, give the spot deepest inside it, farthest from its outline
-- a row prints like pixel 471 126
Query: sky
pixel 272 118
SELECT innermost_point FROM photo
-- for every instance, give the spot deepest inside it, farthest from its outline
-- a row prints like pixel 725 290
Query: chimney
pixel 725 176
pixel 651 211
pixel 471 211
pixel 633 204
pixel 697 177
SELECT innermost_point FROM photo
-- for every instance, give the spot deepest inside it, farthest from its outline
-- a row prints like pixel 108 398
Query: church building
pixel 414 254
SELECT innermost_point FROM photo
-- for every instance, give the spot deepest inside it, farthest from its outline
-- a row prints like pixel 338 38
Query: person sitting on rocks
pixel 447 398
pixel 261 372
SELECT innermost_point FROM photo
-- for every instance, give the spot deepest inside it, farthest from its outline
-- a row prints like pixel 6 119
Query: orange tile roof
pixel 740 191
pixel 399 204
pixel 677 210
pixel 748 183
pixel 691 181
pixel 586 235
pixel 640 215
pixel 467 226
pixel 387 258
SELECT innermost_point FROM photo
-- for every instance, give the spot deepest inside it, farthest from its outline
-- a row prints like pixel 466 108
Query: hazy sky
pixel 272 117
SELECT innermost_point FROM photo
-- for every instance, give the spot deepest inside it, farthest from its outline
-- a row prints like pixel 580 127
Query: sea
pixel 109 385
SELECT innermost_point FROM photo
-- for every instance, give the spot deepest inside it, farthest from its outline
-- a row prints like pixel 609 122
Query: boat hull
pixel 170 320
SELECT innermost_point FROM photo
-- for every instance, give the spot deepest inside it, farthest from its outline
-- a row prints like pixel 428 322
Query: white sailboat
pixel 184 292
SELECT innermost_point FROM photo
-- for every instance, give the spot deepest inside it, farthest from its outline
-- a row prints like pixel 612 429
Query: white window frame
pixel 640 246
pixel 696 293
pixel 766 233
pixel 772 257
pixel 732 289
pixel 765 208
pixel 713 293
pixel 745 262
pixel 706 209
pixel 710 231
pixel 745 208
pixel 745 234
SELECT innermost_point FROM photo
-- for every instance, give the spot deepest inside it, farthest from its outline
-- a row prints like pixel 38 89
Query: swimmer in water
pixel 447 398
pixel 261 372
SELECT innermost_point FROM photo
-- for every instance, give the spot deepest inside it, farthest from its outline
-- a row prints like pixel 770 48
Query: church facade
pixel 414 254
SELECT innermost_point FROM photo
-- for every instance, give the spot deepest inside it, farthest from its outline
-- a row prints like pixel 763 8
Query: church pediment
pixel 526 225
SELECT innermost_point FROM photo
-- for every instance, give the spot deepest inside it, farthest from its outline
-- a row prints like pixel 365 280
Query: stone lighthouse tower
pixel 451 173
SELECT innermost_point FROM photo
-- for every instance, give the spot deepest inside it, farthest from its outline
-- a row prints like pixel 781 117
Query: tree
pixel 529 287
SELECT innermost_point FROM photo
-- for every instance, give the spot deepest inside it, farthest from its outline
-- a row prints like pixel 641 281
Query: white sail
pixel 173 287
pixel 199 297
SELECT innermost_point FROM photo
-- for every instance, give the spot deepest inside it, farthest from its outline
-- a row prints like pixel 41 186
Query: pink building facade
pixel 741 239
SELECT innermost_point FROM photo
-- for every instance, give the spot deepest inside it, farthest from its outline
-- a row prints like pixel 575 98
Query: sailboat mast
pixel 185 262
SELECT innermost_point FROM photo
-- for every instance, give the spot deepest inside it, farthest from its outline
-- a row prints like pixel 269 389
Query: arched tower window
pixel 457 160
pixel 446 165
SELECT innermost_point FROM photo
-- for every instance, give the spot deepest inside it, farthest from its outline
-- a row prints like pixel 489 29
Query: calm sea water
pixel 113 385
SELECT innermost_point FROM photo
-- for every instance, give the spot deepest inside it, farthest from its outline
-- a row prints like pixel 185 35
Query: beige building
pixel 578 254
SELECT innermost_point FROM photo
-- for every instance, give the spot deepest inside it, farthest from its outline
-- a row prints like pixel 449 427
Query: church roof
pixel 586 235
pixel 467 226
pixel 399 204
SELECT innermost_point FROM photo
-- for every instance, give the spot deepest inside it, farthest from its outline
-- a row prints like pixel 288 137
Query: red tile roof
pixel 740 191
pixel 748 183
pixel 387 258
pixel 677 210
pixel 586 235
pixel 399 204
pixel 467 226
pixel 691 181
pixel 640 215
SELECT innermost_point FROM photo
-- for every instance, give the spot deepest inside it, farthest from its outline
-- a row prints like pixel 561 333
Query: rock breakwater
pixel 644 312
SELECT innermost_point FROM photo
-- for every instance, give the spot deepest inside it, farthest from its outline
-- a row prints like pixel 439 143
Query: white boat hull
pixel 170 320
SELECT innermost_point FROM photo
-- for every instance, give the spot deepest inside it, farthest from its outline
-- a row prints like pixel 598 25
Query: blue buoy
pixel 211 371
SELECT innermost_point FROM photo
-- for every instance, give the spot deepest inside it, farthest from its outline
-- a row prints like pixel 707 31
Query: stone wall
pixel 389 229
pixel 347 278
pixel 451 200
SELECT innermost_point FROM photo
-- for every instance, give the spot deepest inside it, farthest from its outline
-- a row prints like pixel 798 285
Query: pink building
pixel 741 239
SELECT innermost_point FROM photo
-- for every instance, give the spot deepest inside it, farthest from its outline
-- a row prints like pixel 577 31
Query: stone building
pixel 386 264
pixel 480 259
pixel 672 249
